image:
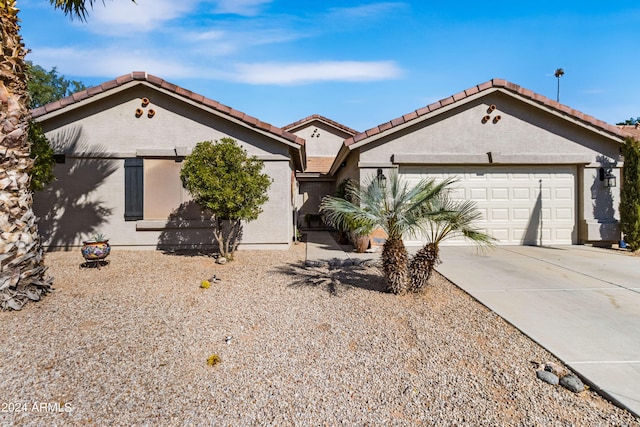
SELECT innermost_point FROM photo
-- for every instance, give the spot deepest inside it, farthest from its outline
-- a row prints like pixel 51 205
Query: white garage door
pixel 520 205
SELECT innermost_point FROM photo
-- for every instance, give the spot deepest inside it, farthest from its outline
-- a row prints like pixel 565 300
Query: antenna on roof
pixel 558 73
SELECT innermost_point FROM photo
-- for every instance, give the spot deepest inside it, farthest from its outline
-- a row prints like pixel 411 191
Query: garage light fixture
pixel 608 178
pixel 380 176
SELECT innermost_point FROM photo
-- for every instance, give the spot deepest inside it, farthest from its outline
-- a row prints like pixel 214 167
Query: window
pixel 133 189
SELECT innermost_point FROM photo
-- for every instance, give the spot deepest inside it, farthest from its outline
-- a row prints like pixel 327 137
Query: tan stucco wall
pixel 108 131
pixel 321 140
pixel 112 124
pixel 524 134
pixel 350 169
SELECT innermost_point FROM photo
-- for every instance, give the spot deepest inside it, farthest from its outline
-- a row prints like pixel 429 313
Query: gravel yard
pixel 128 345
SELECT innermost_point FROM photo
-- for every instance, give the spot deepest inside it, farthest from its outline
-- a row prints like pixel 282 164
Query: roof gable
pixel 475 92
pixel 140 76
pixel 310 120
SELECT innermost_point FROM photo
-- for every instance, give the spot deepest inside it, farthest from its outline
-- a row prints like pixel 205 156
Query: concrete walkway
pixel 322 249
pixel 580 303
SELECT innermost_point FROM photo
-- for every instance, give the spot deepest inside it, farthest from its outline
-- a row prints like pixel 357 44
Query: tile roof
pixel 322 119
pixel 319 164
pixel 156 81
pixel 631 130
pixel 490 85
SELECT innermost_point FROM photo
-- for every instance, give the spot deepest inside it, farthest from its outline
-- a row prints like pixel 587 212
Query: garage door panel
pixel 500 194
pixel 564 214
pixel 564 193
pixel 521 214
pixel 518 204
pixel 502 234
pixel 478 194
pixel 458 194
pixel 521 193
pixel 499 214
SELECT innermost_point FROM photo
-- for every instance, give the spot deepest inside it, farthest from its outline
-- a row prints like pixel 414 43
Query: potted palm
pixel 359 232
pixel 96 248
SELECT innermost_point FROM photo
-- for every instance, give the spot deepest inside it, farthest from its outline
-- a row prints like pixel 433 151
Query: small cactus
pixel 213 360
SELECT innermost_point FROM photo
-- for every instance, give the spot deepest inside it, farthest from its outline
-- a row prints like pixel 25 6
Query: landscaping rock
pixel 571 382
pixel 559 371
pixel 221 260
pixel 547 377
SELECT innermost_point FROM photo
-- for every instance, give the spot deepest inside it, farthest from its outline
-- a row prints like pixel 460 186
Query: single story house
pixel 120 146
pixel 540 172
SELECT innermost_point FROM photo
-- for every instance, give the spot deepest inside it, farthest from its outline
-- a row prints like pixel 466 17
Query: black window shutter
pixel 133 189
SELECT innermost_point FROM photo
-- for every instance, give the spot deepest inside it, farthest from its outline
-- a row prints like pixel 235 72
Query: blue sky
pixel 360 63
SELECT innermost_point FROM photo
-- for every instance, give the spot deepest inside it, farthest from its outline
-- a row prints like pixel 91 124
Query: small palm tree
pixel 395 206
pixel 455 219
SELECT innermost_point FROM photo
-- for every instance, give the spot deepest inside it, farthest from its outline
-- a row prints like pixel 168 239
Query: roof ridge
pixel 321 118
pixel 157 81
pixel 495 83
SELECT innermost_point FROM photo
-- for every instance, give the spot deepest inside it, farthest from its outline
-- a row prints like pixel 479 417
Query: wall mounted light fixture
pixel 607 177
pixel 380 176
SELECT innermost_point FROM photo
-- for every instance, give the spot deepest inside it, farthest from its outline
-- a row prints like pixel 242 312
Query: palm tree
pixel 395 206
pixel 23 274
pixel 455 219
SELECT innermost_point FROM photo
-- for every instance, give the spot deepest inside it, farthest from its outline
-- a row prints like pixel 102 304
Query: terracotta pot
pixel 95 251
pixel 361 242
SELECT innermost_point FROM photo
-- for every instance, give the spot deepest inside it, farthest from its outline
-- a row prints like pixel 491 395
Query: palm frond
pixel 454 219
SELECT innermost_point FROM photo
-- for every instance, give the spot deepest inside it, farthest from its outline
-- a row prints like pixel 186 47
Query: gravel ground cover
pixel 127 345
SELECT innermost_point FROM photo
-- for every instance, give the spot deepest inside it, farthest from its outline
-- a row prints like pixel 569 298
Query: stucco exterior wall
pixel 111 124
pixel 350 169
pixel 88 196
pixel 524 134
pixel 321 140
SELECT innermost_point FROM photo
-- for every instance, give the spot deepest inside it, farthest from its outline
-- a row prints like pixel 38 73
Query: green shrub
pixel 630 194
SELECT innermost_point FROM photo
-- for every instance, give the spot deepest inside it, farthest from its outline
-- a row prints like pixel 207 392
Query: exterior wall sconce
pixel 380 176
pixel 608 178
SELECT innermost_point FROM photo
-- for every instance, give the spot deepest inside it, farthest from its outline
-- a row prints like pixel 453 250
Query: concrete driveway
pixel 580 303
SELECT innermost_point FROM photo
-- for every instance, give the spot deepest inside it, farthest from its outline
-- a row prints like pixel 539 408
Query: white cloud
pixel 240 7
pixel 112 63
pixel 366 11
pixel 312 72
pixel 120 17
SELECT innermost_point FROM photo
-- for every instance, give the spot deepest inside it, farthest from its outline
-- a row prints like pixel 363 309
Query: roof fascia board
pixel 342 155
pixel 310 122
